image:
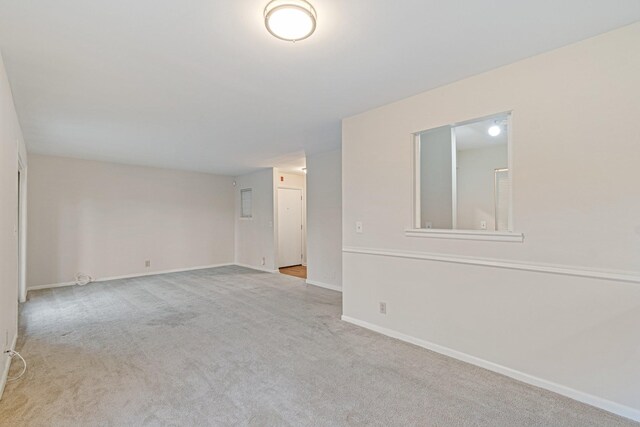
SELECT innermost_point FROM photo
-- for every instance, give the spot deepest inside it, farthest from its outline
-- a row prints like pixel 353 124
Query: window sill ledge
pixel 494 236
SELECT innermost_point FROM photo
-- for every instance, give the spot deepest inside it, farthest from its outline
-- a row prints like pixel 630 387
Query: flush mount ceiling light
pixel 290 20
pixel 494 130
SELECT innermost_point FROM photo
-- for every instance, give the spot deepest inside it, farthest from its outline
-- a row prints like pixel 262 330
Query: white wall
pixel 576 199
pixel 324 219
pixel 296 180
pixel 11 146
pixel 255 237
pixel 107 219
pixel 476 185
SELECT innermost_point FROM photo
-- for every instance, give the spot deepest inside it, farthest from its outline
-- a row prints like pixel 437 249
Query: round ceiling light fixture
pixel 290 20
pixel 494 130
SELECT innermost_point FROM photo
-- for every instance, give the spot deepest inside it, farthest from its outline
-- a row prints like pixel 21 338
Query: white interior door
pixel 289 227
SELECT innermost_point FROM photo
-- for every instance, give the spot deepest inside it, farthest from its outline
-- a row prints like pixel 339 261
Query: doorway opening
pixel 291 224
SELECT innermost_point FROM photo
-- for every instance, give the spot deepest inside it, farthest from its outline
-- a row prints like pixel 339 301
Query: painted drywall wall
pixel 299 181
pixel 476 184
pixel 107 219
pixel 324 219
pixel 11 146
pixel 576 199
pixel 255 236
pixel 436 179
pixel 290 180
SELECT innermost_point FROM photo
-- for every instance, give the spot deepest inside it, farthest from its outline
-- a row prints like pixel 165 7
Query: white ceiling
pixel 201 85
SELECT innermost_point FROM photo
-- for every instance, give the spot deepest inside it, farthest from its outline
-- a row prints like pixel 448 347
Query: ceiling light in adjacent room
pixel 290 20
pixel 494 130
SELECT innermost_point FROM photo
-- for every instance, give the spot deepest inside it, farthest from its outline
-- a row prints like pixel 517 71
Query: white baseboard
pixel 598 402
pixel 51 285
pixel 7 365
pixel 130 276
pixel 253 267
pixel 152 273
pixel 324 285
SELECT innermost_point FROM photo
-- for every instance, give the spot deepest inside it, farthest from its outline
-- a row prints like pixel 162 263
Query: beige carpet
pixel 232 346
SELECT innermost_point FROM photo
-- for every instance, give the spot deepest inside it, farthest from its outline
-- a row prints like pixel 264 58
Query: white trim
pixel 454 178
pixel 302 222
pixel 620 276
pixel 454 190
pixel 151 273
pixel 22 229
pixel 7 365
pixel 129 276
pixel 50 286
pixel 496 236
pixel 589 399
pixel 324 285
pixel 510 224
pixel 155 273
pixel 417 177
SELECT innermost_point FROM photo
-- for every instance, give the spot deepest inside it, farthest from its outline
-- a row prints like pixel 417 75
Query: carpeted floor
pixel 233 346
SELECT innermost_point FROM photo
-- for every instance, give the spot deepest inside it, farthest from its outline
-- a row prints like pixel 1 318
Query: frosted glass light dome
pixel 495 130
pixel 290 20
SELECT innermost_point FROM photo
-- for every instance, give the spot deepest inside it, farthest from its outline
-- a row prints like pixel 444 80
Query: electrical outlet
pixel 383 308
pixel 483 225
pixel 147 263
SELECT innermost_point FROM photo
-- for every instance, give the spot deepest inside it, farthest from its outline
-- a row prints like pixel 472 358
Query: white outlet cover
pixel 358 226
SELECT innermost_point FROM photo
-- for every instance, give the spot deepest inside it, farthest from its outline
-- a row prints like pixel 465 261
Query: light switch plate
pixel 358 226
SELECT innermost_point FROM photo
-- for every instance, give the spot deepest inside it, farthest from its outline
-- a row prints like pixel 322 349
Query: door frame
pixel 303 221
pixel 22 229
